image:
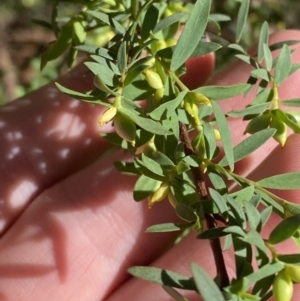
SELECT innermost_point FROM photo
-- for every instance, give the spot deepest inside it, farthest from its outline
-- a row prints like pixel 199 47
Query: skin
pixel 69 226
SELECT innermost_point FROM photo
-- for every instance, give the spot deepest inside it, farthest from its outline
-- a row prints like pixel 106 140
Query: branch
pixel 210 220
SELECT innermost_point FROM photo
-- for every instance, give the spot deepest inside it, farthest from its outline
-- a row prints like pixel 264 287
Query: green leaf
pixel 279 45
pixel 263 40
pixel 168 106
pixel 290 258
pixel 254 238
pixel 122 58
pixel 106 74
pixel 236 230
pixel 294 102
pixel 149 22
pixel 242 19
pixel 166 22
pixel 265 271
pixel 144 187
pixel 285 229
pixel 96 50
pixel 145 123
pixel 125 167
pixel 212 233
pixel 225 134
pixel 162 277
pixel 286 181
pixel 243 195
pixel 167 227
pixel 108 20
pixel 265 215
pixel 219 200
pixel 268 57
pixel 185 212
pixel 283 65
pixel 63 41
pixel 210 140
pixel 261 73
pixel 205 285
pixel 191 34
pixel 249 145
pixel 80 96
pixel 205 47
pixel 174 294
pixel 217 180
pixel 251 110
pixel 253 216
pixel 222 92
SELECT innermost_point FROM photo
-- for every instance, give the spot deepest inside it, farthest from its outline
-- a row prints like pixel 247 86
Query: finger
pixel 76 240
pixel 44 137
pixel 199 69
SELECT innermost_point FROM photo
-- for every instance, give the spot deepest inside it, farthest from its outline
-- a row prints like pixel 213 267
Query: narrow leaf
pixel 122 58
pixel 191 34
pixel 144 187
pixel 167 227
pixel 263 40
pixel 149 22
pixel 242 19
pixel 222 92
pixel 249 145
pixel 225 134
pixel 108 20
pixel 162 277
pixel 166 22
pixel 205 285
pixel 287 181
pixel 283 65
pixel 285 229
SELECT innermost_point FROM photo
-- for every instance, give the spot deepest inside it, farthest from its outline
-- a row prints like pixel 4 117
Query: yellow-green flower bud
pixel 160 193
pixel 199 98
pixel 171 42
pixel 217 134
pixel 258 123
pixel 168 12
pixel 153 79
pixel 107 115
pixel 159 93
pixel 192 109
pixel 293 271
pixel 283 287
pixel 158 45
pixel 281 131
pixel 125 128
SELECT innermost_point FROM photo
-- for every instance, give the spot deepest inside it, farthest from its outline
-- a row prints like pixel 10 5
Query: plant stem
pixel 210 221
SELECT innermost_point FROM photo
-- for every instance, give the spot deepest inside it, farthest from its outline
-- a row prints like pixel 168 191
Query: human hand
pixel 70 226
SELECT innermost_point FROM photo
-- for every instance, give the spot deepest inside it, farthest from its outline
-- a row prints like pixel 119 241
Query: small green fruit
pixel 281 131
pixel 125 128
pixel 283 287
pixel 258 123
pixel 293 271
pixel 153 79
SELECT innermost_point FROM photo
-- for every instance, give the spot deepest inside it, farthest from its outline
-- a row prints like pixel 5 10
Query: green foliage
pixel 143 61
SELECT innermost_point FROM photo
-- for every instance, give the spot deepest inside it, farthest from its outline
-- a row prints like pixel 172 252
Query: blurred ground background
pixel 22 41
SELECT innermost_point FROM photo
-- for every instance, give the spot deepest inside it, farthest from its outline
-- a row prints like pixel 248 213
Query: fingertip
pixel 198 70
